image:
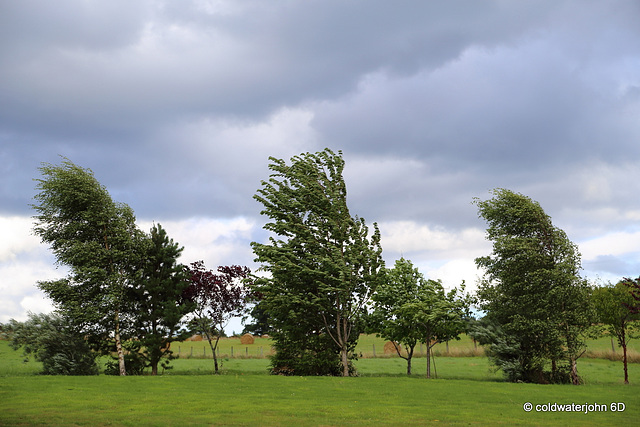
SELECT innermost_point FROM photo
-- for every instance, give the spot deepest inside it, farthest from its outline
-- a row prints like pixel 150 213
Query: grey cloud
pixel 617 266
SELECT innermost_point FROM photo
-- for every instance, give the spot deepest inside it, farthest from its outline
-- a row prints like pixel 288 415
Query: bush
pixel 52 340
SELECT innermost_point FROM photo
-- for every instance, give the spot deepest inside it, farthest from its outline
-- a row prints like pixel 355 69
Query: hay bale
pixel 247 339
pixel 390 347
pixel 194 338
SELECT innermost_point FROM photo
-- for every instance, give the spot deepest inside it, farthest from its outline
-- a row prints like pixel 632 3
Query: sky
pixel 176 107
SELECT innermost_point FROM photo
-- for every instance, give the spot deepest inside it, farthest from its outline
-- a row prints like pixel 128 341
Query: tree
pixel 531 291
pixel 409 309
pixel 261 322
pixel 322 261
pixel 217 298
pixel 158 297
pixel 399 285
pixel 634 290
pixel 611 304
pixel 54 340
pixel 440 316
pixel 96 238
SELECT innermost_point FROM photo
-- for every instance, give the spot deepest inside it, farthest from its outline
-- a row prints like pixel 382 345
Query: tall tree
pixel 217 298
pixel 531 289
pixel 158 297
pixel 96 238
pixel 323 263
pixel 611 304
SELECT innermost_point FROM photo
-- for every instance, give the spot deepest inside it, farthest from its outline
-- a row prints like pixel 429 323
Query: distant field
pixel 467 392
pixel 371 346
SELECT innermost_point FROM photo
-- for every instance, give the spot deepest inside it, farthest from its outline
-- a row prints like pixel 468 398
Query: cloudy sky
pixel 177 105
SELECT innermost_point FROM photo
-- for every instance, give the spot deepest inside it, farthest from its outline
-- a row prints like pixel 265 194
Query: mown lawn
pixel 467 392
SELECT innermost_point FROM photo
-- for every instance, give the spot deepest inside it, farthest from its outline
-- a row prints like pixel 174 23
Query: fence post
pixel 374 350
pixel 247 351
pixel 191 351
pixel 231 351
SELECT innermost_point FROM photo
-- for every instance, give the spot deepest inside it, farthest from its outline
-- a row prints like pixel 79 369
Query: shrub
pixel 52 340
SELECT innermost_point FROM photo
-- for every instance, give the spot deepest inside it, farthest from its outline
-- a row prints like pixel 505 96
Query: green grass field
pixel 467 392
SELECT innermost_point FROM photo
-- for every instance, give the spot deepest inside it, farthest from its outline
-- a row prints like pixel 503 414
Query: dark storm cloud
pixel 177 105
pixel 479 94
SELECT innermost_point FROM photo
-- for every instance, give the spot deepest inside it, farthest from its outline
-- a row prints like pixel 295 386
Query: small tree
pixel 611 304
pixel 217 298
pixel 54 341
pixel 441 316
pixel 399 285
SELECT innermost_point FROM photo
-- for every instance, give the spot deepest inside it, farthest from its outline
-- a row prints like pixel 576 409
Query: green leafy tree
pixel 261 324
pixel 440 316
pixel 323 264
pixel 611 304
pixel 56 342
pixel 398 286
pixel 157 297
pixel 532 292
pixel 409 309
pixel 94 236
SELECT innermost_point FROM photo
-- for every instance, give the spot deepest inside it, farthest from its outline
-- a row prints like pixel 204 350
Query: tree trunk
pixel 624 355
pixel 409 358
pixel 213 349
pixel 123 370
pixel 345 361
pixel 428 361
pixel 575 379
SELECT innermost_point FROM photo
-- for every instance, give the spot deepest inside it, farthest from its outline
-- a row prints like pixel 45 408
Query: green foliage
pixel 612 310
pixel 157 299
pixel 52 340
pixel 531 288
pixel 94 236
pixel 322 261
pixel 408 309
pixel 123 284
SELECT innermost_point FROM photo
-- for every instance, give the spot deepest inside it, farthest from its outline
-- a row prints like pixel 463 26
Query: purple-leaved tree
pixel 218 297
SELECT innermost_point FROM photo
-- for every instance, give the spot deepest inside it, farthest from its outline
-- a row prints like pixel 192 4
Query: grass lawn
pixel 467 392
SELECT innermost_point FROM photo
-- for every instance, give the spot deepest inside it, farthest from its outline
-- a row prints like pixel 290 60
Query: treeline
pixel 126 293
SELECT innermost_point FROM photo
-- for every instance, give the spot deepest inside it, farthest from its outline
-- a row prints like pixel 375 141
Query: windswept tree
pixel 217 297
pixel 323 265
pixel 97 239
pixel 612 310
pixel 157 297
pixel 532 292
